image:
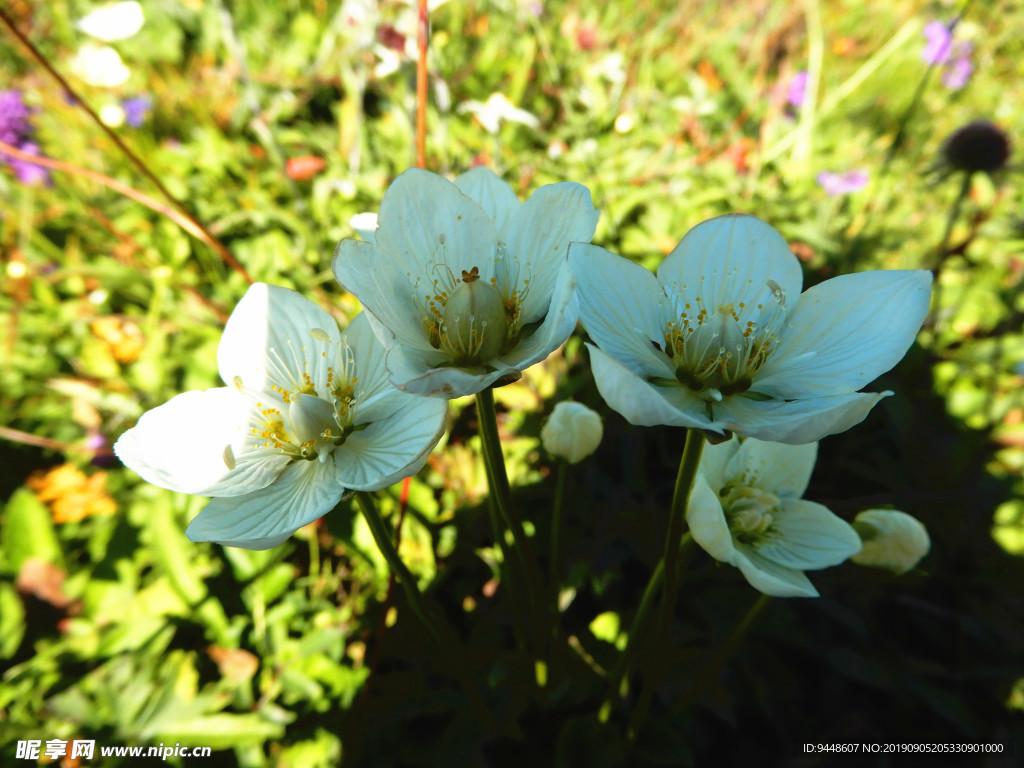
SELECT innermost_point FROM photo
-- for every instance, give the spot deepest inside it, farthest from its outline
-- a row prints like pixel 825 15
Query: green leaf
pixel 27 531
pixel 220 731
pixel 12 621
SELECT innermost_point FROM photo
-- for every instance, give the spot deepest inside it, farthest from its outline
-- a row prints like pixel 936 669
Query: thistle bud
pixel 572 432
pixel 892 540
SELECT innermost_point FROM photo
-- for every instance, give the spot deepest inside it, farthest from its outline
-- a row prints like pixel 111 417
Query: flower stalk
pixel 379 530
pixel 674 541
pixel 527 589
pixel 446 643
pixel 555 551
pixel 724 651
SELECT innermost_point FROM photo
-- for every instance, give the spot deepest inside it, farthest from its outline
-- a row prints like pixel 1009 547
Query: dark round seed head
pixel 977 146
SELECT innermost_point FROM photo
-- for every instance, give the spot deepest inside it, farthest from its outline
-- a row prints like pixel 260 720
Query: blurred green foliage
pixel 275 123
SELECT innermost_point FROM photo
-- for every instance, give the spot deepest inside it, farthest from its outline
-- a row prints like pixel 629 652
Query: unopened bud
pixel 892 540
pixel 572 432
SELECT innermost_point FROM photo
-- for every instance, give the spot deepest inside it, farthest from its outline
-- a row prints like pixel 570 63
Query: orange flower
pixel 72 495
pixel 304 167
pixel 124 337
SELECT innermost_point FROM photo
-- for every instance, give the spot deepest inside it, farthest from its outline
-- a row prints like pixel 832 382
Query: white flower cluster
pixel 463 288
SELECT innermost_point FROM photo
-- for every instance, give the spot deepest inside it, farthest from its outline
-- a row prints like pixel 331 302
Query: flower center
pixel 718 350
pixel 307 425
pixel 471 322
pixel 749 512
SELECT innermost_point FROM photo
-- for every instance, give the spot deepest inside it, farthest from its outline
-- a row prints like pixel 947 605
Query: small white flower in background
pixel 495 110
pixel 746 510
pixel 309 414
pixel 99 65
pixel 611 67
pixel 108 23
pixel 464 285
pixel 722 339
pixel 112 115
pixel 572 432
pixel 892 539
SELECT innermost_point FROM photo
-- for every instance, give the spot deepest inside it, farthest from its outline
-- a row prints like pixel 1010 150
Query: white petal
pixel 641 402
pixel 730 260
pixel 392 447
pixel 270 339
pixel 492 194
pixel 425 218
pixel 809 537
pixel 772 579
pixel 846 332
pixel 707 522
pixel 365 224
pixel 784 470
pixel 411 372
pixel 557 326
pixel 539 236
pixel 386 295
pixel 622 309
pixel 266 518
pixel 369 356
pixel 182 445
pixel 714 462
pixel 795 421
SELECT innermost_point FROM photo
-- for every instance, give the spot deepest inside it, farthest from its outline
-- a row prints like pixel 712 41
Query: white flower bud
pixel 892 540
pixel 572 432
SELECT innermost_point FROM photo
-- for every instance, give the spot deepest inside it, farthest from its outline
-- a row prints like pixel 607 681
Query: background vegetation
pixel 274 123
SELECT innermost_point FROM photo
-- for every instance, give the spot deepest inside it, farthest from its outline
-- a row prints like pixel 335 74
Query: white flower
pixel 722 339
pixel 308 414
pixel 892 539
pixel 496 109
pixel 112 115
pixel 99 65
pixel 113 22
pixel 746 510
pixel 465 286
pixel 572 432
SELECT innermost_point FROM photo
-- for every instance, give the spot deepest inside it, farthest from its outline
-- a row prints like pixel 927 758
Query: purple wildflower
pixel 958 69
pixel 836 184
pixel 29 173
pixel 13 117
pixel 939 45
pixel 798 89
pixel 955 58
pixel 136 110
pixel 16 130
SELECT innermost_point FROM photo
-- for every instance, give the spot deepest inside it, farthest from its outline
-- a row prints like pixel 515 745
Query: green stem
pixel 633 642
pixel 673 540
pixel 507 570
pixel 724 652
pixel 528 589
pixel 555 554
pixel 677 520
pixel 943 252
pixel 382 537
pixel 448 645
pixel 510 574
pixel 954 214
